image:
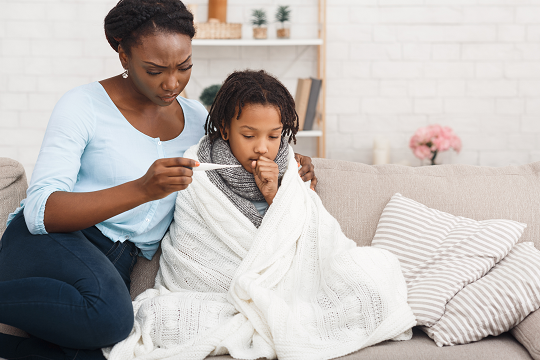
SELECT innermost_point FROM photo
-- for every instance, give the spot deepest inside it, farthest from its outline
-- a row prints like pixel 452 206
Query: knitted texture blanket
pixel 294 288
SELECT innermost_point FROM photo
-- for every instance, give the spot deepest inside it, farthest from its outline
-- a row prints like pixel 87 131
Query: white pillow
pixel 440 253
pixel 495 303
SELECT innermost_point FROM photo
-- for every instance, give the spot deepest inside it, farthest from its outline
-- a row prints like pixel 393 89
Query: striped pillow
pixel 440 253
pixel 495 303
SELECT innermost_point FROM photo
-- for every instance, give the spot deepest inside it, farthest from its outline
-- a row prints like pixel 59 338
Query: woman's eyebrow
pixel 185 61
pixel 164 67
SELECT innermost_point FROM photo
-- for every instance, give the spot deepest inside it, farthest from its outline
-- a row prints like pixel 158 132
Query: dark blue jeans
pixel 69 291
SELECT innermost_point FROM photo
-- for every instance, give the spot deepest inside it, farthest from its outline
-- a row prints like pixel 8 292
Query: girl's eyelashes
pixel 186 69
pixel 251 136
pixel 153 73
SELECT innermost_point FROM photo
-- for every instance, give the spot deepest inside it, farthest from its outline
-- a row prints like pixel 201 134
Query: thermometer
pixel 209 166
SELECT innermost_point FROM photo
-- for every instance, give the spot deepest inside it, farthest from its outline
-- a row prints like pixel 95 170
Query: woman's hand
pixel 68 211
pixel 307 172
pixel 166 176
pixel 266 174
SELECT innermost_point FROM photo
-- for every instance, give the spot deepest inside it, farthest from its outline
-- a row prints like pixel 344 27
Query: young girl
pixel 253 265
pixel 255 134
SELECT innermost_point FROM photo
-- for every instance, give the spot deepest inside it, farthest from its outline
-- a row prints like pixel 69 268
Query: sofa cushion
pixel 144 274
pixel 495 303
pixel 356 194
pixel 440 253
pixel 528 333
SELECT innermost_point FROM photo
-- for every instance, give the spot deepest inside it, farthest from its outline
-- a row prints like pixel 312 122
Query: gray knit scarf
pixel 237 183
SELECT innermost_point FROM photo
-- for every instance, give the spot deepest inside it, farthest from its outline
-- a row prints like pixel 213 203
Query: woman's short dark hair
pixel 251 87
pixel 131 19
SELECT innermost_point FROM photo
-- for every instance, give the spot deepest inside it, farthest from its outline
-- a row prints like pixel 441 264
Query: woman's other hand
pixel 166 176
pixel 266 174
pixel 307 171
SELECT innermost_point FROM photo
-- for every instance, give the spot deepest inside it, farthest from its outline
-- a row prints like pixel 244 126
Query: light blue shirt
pixel 89 145
pixel 261 206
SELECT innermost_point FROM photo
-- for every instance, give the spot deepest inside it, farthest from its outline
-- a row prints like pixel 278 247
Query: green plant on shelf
pixel 283 14
pixel 258 17
pixel 209 94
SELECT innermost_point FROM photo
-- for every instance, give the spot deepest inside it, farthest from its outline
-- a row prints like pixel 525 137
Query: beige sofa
pixel 356 195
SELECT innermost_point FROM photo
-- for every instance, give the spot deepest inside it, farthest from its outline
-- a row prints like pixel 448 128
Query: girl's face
pixel 256 133
pixel 160 66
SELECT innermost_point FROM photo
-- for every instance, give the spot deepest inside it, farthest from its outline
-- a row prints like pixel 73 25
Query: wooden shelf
pixel 320 42
pixel 309 133
pixel 252 42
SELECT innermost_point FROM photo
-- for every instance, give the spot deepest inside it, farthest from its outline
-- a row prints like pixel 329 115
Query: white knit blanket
pixel 295 288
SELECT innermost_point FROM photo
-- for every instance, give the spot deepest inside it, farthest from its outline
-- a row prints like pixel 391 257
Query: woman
pixel 103 190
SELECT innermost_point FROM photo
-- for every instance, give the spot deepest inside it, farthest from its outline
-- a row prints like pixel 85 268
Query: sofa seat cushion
pixel 502 347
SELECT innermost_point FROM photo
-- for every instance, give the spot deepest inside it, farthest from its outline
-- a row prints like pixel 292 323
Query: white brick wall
pixel 50 46
pixel 46 48
pixel 392 66
pixel 473 65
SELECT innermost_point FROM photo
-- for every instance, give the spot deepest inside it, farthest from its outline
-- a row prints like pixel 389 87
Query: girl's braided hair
pixel 130 19
pixel 251 87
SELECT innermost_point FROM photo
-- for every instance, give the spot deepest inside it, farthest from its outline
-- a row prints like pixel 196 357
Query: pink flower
pixel 433 138
pixel 436 130
pixel 423 135
pixel 441 143
pixel 456 144
pixel 422 152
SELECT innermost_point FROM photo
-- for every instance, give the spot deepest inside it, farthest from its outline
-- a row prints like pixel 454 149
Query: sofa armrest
pixel 528 334
pixel 12 188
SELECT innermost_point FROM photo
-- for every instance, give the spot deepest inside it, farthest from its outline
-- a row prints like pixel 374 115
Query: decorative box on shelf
pixel 218 30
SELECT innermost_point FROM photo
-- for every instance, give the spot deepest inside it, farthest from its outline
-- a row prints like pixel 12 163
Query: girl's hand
pixel 266 174
pixel 307 172
pixel 166 176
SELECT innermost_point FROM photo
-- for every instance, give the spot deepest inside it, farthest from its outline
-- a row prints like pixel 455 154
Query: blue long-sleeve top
pixel 89 145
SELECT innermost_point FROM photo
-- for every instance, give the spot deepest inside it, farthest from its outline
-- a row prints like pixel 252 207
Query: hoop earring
pixel 225 136
pixel 125 74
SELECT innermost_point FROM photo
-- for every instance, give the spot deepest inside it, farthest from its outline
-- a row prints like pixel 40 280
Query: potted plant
pixel 258 20
pixel 208 95
pixel 283 16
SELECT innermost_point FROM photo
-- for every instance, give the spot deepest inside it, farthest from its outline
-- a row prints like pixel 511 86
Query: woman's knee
pixel 106 327
pixel 121 325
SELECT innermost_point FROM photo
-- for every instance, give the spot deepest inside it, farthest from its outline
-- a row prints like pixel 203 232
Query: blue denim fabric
pixel 66 289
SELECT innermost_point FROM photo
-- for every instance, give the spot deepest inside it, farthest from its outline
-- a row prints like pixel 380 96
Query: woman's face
pixel 256 133
pixel 159 66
